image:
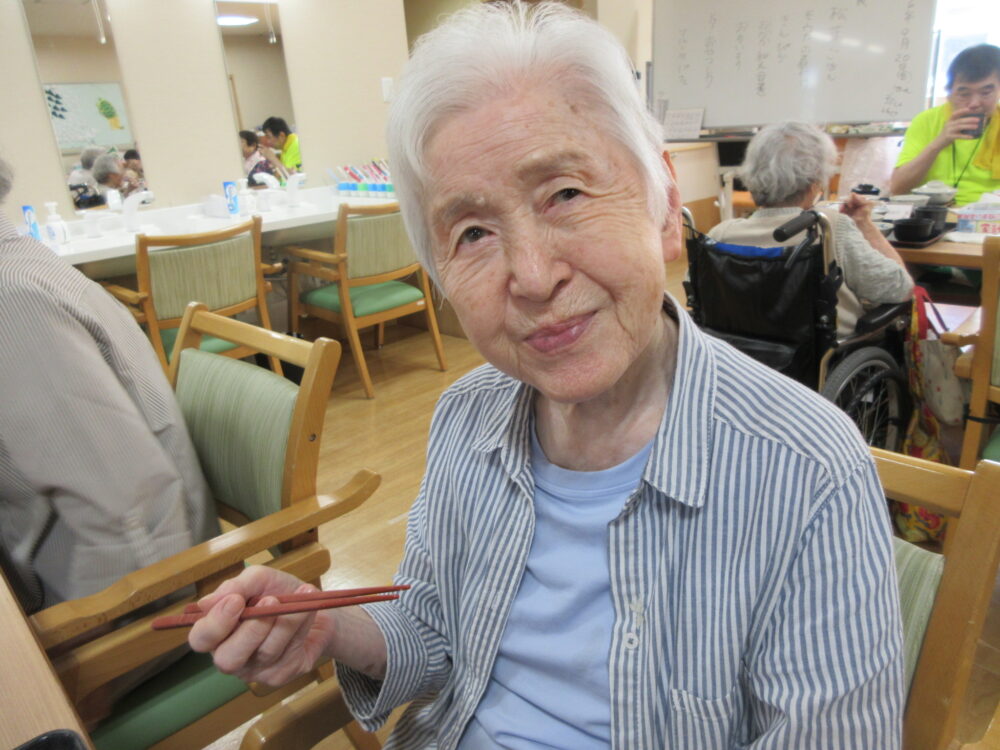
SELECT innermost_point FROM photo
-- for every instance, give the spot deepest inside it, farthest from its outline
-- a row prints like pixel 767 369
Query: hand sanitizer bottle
pixel 56 230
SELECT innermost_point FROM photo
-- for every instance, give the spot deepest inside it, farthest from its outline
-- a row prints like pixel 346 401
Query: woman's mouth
pixel 551 338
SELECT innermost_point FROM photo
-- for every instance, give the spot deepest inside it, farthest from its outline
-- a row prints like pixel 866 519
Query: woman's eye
pixel 472 234
pixel 566 194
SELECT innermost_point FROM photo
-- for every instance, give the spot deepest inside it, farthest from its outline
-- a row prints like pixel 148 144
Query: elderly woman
pixel 110 174
pixel 786 168
pixel 81 180
pixel 621 539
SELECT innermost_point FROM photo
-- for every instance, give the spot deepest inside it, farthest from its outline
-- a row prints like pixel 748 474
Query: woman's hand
pixel 857 207
pixel 270 650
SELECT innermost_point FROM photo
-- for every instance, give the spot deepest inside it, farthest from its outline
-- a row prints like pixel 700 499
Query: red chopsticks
pixel 289 604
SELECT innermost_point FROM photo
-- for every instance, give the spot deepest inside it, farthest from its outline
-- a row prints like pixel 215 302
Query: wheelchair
pixel 779 306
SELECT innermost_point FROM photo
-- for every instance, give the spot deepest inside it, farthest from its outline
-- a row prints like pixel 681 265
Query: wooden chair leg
pixel 432 326
pixel 379 335
pixel 293 303
pixel 351 329
pixel 972 444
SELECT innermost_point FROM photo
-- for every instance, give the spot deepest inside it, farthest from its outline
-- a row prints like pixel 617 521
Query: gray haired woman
pixel 626 535
pixel 787 167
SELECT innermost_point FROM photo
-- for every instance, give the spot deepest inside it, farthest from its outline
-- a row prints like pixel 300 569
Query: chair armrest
pixel 963 366
pixel 320 256
pixel 304 721
pixel 966 332
pixel 126 295
pixel 58 624
pixel 272 268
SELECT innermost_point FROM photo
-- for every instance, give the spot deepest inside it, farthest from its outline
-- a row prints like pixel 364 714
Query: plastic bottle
pixel 246 200
pixel 56 230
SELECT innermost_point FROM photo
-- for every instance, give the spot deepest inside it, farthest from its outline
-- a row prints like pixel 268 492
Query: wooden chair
pixel 945 598
pixel 371 253
pixel 257 436
pixel 222 269
pixel 982 363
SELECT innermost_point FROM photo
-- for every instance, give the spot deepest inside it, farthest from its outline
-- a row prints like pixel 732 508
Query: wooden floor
pixel 388 434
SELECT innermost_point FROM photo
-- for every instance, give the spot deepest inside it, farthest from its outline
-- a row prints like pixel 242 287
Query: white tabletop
pixel 315 206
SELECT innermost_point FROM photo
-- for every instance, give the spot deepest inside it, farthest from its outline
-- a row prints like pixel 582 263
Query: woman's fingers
pixel 235 654
pixel 214 628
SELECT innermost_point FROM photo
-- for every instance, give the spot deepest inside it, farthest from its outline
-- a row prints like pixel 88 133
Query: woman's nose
pixel 537 268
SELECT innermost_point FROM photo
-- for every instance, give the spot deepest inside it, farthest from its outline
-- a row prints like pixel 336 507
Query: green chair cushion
pixel 992 450
pixel 919 573
pixel 208 343
pixel 365 300
pixel 166 703
pixel 239 417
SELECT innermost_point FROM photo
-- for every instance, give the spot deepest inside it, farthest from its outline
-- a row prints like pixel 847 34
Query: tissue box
pixel 979 217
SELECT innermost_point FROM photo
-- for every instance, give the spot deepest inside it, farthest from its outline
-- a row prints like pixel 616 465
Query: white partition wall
pixel 178 95
pixel 26 139
pixel 337 54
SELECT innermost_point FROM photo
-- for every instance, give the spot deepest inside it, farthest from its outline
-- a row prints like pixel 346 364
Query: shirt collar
pixel 679 464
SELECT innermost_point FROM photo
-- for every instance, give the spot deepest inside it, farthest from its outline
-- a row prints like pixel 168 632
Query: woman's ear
pixel 671 234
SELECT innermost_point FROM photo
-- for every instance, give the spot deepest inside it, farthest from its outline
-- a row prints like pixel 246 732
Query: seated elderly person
pixel 81 182
pixel 786 169
pixel 629 534
pixel 111 175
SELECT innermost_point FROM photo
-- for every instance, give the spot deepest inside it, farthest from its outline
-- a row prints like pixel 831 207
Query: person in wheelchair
pixel 786 168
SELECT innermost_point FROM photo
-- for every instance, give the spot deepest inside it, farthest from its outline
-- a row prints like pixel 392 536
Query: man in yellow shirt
pixel 958 142
pixel 281 138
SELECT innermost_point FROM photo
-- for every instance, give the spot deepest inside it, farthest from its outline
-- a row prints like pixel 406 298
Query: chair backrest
pixel 779 312
pixel 220 274
pixel 374 240
pixel 221 269
pixel 944 598
pixel 257 434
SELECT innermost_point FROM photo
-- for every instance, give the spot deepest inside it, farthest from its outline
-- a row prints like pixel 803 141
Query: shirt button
pixel 631 641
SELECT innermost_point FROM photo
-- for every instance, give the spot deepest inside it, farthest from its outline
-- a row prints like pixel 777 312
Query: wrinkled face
pixel 979 97
pixel 544 243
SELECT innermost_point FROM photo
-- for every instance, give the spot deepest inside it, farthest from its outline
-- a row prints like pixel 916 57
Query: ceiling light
pixel 235 20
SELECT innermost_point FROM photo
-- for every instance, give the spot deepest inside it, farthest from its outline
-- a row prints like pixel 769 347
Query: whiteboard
pixel 751 63
pixel 88 114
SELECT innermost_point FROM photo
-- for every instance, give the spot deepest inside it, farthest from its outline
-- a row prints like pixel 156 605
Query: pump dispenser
pixel 56 230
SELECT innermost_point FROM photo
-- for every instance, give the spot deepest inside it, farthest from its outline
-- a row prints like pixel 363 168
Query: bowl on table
pixel 914 230
pixel 885 227
pixel 937 192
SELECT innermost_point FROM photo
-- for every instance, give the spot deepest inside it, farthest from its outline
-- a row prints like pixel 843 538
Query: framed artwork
pixel 88 114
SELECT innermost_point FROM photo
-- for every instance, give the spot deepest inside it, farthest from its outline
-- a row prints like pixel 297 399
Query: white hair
pixel 6 179
pixel 104 166
pixel 784 160
pixel 495 49
pixel 89 155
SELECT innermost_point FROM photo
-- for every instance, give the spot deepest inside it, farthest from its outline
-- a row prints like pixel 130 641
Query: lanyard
pixel 967 163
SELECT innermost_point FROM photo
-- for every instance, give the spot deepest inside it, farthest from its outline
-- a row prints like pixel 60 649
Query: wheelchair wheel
pixel 869 386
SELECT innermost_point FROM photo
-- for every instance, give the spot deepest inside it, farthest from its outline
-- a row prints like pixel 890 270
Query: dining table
pixel 32 700
pixel 945 253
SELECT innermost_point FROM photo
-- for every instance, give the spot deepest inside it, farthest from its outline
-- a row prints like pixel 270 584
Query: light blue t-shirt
pixel 549 687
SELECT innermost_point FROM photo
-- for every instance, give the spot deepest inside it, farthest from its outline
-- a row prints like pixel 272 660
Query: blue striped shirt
pixel 752 577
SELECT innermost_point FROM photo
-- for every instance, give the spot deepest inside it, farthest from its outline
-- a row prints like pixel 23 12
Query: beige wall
pixel 26 138
pixel 337 54
pixel 175 81
pixel 258 69
pixel 68 59
pixel 424 15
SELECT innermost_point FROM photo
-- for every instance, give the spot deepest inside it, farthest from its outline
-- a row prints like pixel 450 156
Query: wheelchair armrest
pixel 882 316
